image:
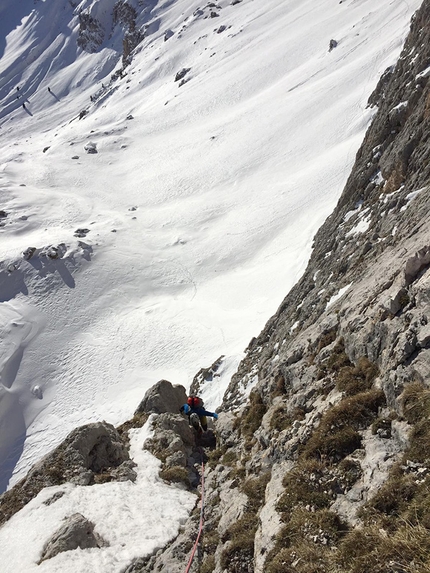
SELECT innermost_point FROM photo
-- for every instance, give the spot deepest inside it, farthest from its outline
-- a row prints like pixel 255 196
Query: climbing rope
pixel 202 508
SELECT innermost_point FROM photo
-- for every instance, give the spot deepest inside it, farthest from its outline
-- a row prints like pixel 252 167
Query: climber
pixel 196 413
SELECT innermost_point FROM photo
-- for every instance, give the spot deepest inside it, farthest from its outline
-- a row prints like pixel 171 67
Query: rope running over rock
pixel 202 508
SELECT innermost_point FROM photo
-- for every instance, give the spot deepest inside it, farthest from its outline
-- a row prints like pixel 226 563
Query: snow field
pixel 201 210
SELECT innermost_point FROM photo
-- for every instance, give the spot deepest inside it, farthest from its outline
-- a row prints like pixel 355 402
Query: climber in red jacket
pixel 196 413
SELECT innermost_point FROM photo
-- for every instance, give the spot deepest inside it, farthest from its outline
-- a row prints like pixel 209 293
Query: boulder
pixel 98 445
pixel 397 302
pixel 174 443
pixel 93 448
pixel 176 424
pixel 416 264
pixel 163 397
pixel 81 233
pixel 125 472
pixel 76 532
pixel 91 147
pixel 28 253
pixel 172 435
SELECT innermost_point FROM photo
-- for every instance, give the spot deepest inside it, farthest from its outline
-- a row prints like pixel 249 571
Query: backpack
pixel 195 402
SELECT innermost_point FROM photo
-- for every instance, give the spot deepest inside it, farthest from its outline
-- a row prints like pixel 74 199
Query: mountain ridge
pixel 337 368
pixel 319 412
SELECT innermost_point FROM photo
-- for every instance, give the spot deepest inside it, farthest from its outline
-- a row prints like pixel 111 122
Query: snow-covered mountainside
pixel 165 167
pixel 164 198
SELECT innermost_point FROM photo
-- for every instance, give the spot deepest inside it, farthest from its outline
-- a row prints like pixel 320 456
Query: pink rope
pixel 190 562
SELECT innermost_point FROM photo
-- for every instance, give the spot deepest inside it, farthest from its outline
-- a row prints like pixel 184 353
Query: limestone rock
pixel 416 263
pixel 423 339
pixel 81 233
pixel 86 451
pixel 397 302
pixel 124 472
pixel 173 439
pixel 91 33
pixel 181 74
pixel 91 147
pixel 163 397
pixel 28 253
pixel 76 532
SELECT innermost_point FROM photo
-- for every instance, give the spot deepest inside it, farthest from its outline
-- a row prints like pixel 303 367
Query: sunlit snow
pixel 195 216
pixel 134 519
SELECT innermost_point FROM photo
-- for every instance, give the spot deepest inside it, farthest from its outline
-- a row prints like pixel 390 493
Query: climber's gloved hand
pixel 215 416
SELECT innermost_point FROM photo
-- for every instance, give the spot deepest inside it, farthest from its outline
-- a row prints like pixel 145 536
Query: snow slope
pixel 200 204
pixel 134 519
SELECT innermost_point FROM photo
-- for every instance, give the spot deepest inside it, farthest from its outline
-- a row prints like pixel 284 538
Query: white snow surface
pixel 133 518
pixel 201 207
pixel 338 295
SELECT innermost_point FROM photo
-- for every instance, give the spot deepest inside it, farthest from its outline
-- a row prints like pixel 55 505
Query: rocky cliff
pixel 325 467
pixel 101 21
pixel 322 460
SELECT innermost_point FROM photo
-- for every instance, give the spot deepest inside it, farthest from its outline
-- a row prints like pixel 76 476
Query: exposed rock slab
pixel 77 531
pixel 163 397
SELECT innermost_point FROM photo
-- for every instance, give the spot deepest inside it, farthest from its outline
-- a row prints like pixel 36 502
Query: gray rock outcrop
pixel 163 397
pixel 86 452
pixel 174 443
pixel 91 33
pixel 77 531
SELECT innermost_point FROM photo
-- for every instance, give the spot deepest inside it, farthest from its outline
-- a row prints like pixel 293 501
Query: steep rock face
pixel 174 444
pixel 91 33
pixel 376 241
pixel 101 20
pixel 125 16
pixel 330 451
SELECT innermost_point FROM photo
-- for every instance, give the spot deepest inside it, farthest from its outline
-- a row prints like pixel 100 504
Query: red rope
pixel 190 562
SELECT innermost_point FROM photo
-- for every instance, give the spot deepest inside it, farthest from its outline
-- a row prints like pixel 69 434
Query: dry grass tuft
pixel 304 486
pixel 208 564
pixel 250 421
pixel 372 549
pixel 416 410
pixel 304 557
pixel 175 474
pixel 281 419
pixel 355 379
pixel 337 435
pixel 338 359
pixel 255 489
pixel 239 552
